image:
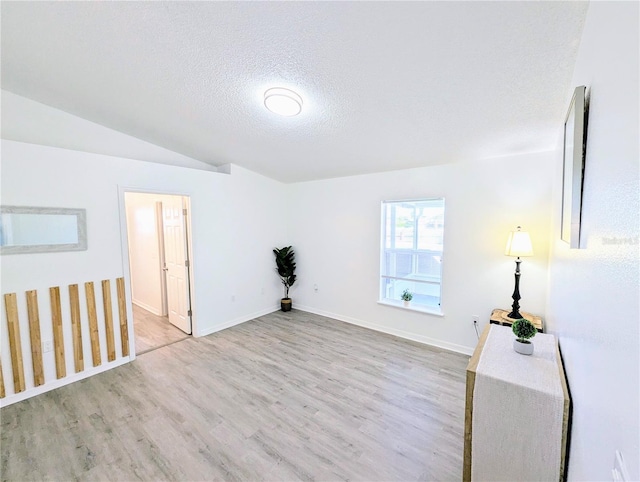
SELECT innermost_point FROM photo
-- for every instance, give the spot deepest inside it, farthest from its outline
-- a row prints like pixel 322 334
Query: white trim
pixel 465 350
pixel 124 246
pixel 236 321
pixel 414 250
pixel 413 280
pixel 47 387
pixel 412 307
pixel 145 306
pixel 126 267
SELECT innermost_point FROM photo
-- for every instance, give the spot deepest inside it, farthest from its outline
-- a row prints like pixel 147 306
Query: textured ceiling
pixel 386 85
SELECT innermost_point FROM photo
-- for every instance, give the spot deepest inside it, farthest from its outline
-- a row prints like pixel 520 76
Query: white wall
pixel 26 120
pixel 236 221
pixel 335 229
pixel 144 251
pixel 594 291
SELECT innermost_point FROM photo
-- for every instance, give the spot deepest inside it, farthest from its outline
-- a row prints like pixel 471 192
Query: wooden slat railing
pixel 35 336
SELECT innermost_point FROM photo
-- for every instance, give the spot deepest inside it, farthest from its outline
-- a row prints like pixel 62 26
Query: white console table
pixel 517 410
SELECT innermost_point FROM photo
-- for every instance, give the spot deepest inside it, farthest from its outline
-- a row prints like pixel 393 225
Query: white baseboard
pixel 144 306
pixel 236 321
pixel 465 350
pixel 47 387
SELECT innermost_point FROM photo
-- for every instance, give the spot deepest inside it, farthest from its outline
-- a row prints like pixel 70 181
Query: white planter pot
pixel 407 303
pixel 523 348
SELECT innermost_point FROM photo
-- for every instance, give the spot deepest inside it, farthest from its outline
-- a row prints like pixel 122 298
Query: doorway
pixel 158 230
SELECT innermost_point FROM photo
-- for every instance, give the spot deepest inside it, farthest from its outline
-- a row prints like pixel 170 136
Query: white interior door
pixel 176 260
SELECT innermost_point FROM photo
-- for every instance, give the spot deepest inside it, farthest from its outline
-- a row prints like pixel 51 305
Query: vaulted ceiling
pixel 385 85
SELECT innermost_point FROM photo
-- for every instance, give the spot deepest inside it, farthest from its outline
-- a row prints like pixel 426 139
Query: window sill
pixel 419 309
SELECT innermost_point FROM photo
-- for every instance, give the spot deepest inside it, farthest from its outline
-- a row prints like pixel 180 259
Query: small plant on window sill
pixel 406 297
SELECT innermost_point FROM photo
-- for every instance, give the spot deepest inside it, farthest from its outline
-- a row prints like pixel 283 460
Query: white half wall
pixel 335 230
pixel 236 221
pixel 594 292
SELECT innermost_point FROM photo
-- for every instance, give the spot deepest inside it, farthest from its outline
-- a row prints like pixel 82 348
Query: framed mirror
pixel 25 229
pixel 573 168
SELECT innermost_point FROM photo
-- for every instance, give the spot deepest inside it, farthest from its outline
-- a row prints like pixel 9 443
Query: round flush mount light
pixel 283 101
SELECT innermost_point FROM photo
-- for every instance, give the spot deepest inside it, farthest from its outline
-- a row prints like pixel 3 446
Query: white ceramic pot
pixel 523 348
pixel 406 303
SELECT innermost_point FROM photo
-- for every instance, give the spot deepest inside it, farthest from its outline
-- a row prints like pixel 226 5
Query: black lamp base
pixel 515 315
pixel 515 307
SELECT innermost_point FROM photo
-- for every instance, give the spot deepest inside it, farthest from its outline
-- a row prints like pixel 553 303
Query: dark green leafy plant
pixel 406 295
pixel 524 330
pixel 286 267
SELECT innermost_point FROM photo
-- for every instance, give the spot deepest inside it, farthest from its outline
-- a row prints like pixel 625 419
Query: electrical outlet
pixel 475 319
pixel 619 472
pixel 47 346
pixel 315 288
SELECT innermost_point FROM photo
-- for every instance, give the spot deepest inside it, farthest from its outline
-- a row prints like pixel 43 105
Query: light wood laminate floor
pixel 288 396
pixel 153 331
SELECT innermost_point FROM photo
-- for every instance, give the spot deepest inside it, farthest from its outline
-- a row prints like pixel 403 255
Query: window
pixel 411 254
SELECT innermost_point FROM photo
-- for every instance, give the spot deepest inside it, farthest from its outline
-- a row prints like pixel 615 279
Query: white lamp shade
pixel 519 244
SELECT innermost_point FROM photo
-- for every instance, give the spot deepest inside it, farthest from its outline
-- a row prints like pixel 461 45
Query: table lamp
pixel 518 244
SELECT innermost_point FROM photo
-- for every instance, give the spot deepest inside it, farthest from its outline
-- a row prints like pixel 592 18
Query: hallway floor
pixel 153 331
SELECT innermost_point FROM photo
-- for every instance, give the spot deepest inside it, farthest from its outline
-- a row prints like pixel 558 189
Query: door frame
pixel 163 274
pixel 126 266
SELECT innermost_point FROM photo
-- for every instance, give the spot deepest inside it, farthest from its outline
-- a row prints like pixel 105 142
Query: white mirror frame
pixel 81 245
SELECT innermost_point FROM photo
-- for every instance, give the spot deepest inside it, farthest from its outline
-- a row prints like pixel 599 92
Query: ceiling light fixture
pixel 283 101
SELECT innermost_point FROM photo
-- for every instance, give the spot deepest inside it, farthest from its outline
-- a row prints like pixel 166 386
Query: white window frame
pixel 382 299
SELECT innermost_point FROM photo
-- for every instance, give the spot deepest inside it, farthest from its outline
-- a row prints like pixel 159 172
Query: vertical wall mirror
pixel 575 132
pixel 25 229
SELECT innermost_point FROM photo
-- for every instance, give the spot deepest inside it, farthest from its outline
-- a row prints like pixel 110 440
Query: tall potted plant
pixel 286 267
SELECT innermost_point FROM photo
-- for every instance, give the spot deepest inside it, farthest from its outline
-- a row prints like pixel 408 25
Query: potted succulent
pixel 286 267
pixel 523 329
pixel 406 297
